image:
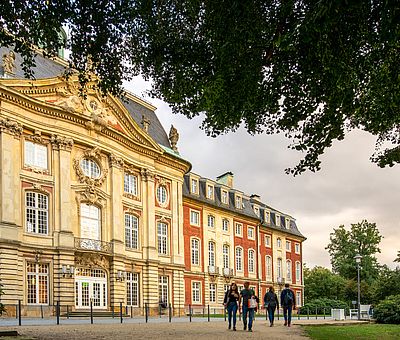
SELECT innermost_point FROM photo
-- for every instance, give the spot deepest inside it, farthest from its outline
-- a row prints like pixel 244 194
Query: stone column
pixel 178 292
pixel 149 225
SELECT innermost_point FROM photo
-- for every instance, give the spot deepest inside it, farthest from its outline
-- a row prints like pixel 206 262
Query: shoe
pixel 244 328
pixel 229 327
pixel 288 325
pixel 250 330
pixel 285 324
pixel 270 325
pixel 234 328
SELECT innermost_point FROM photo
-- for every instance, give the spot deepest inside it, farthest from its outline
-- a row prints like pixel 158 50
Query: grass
pixel 354 332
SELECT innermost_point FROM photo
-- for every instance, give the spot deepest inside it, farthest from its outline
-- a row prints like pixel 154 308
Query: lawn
pixel 354 332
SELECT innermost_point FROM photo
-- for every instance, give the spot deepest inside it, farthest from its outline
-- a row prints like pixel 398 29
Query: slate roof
pixel 247 207
pixel 48 68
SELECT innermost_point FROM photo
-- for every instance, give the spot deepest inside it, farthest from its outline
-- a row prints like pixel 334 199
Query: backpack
pixel 288 298
pixel 271 299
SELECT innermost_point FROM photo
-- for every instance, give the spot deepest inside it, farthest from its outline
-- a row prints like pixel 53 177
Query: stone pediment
pixel 103 114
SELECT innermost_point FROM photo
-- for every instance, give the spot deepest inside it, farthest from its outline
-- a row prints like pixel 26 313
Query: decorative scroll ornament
pixel 95 155
pixel 173 137
pixel 10 126
pixel 39 188
pixel 61 143
pixel 90 260
pixel 9 62
pixel 146 174
pixel 115 161
pixel 99 113
pixel 36 138
pixel 92 195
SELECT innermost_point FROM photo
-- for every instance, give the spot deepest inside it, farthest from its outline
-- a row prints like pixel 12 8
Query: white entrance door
pixel 91 285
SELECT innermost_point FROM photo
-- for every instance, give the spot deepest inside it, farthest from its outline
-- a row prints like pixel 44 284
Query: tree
pixel 311 69
pixel 397 259
pixel 387 283
pixel 320 282
pixel 363 238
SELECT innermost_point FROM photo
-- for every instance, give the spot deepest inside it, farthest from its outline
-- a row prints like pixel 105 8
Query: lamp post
pixel 358 261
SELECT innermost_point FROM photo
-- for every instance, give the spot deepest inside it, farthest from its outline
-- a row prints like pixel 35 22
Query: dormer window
pixel 224 196
pixel 278 220
pixel 257 211
pixel 238 202
pixel 267 217
pixel 210 192
pixel 287 223
pixel 194 187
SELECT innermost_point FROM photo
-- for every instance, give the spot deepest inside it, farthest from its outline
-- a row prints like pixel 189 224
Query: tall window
pixel 90 168
pixel 131 231
pixel 213 292
pixel 195 252
pixel 239 259
pixel 162 194
pixel 267 217
pixel 211 221
pixel 162 231
pixel 298 271
pixel 251 261
pixel 238 229
pixel 268 241
pixel 196 292
pixel 279 242
pixel 194 217
pixel 250 233
pixel 268 267
pixel 238 202
pixel 257 211
pixel 194 187
pixel 210 192
pixel 279 267
pixel 289 270
pixel 37 213
pixel 298 298
pixel 130 184
pixel 225 255
pixel 225 225
pixel 37 283
pixel 163 289
pixel 90 222
pixel 132 289
pixel 278 220
pixel 224 196
pixel 287 223
pixel 211 253
pixel 35 155
pixel 297 248
pixel 288 245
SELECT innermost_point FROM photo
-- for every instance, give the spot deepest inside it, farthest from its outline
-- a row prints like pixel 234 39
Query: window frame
pixel 162 238
pixel 211 253
pixel 238 202
pixel 251 261
pixel 133 232
pixel 194 184
pixel 289 272
pixel 196 291
pixel 225 225
pixel 132 285
pixel 239 259
pixel 213 292
pixel 163 288
pixel 225 256
pixel 298 271
pixel 279 242
pixel 36 212
pixel 195 253
pixel 277 220
pixel 131 184
pixel 35 156
pixel 210 193
pixel 210 218
pixel 197 219
pixel 38 277
pixel 162 195
pixel 268 267
pixel 269 243
pixel 224 197
pixel 88 170
pixel 252 229
pixel 297 248
pixel 240 225
pixel 288 243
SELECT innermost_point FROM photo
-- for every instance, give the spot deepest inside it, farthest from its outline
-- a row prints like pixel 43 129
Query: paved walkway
pixel 177 330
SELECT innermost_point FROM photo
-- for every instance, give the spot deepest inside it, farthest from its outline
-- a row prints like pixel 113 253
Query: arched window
pixel 131 231
pixel 239 259
pixel 36 212
pixel 251 261
pixel 289 270
pixel 211 253
pixel 268 267
pixel 225 255
pixel 195 252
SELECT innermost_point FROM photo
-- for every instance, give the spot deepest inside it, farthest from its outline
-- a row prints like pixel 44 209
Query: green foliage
pixel 321 282
pixel 2 308
pixel 388 310
pixel 397 259
pixel 318 305
pixel 388 283
pixel 311 69
pixel 363 238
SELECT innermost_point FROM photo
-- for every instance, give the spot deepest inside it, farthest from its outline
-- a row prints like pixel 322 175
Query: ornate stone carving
pixel 115 161
pixel 37 138
pixel 145 123
pixel 173 137
pixel 90 260
pixel 147 175
pixel 94 154
pixel 92 195
pixel 39 188
pixel 72 103
pixel 61 143
pixel 9 62
pixel 10 126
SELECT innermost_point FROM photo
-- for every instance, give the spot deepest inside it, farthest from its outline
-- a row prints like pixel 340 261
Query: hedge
pixel 318 306
pixel 388 310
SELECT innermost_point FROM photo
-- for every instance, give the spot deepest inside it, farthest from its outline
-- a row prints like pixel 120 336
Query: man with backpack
pixel 288 303
pixel 249 304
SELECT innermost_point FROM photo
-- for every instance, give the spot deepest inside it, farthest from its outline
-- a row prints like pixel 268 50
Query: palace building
pixel 99 208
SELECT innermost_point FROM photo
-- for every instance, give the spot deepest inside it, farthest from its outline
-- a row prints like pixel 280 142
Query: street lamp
pixel 358 261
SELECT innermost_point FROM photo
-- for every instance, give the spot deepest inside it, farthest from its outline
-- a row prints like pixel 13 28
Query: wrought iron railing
pixel 227 272
pixel 96 245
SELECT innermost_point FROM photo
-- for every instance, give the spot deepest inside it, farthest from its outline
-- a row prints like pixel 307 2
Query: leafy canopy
pixel 311 69
pixel 363 238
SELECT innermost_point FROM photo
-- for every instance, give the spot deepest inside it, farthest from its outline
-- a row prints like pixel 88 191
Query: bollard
pixel 41 311
pixel 67 311
pixel 190 313
pixel 324 313
pixel 170 313
pixel 208 313
pixel 112 311
pixel 308 313
pixel 120 312
pixel 316 313
pixel 91 311
pixel 131 312
pixel 19 312
pixel 58 312
pixel 146 313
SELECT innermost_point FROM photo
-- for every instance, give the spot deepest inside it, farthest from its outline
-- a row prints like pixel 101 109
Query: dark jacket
pixel 283 294
pixel 271 299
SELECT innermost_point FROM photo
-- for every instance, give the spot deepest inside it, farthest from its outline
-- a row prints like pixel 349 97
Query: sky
pixel 348 188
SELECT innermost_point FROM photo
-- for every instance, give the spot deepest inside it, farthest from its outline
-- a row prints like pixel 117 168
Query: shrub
pixel 388 310
pixel 318 306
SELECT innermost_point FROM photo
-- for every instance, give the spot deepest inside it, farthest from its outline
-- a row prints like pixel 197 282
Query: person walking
pixel 288 303
pixel 270 304
pixel 231 300
pixel 249 304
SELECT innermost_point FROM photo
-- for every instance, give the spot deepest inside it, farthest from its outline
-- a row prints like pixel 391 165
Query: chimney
pixel 256 197
pixel 226 179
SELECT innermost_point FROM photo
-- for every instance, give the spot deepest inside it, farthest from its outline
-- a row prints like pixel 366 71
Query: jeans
pixel 287 313
pixel 271 312
pixel 246 310
pixel 232 309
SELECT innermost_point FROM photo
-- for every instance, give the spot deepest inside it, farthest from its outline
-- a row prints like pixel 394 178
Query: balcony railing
pixel 89 244
pixel 213 270
pixel 227 272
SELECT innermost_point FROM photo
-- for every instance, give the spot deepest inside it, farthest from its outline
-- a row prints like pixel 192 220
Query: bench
pixel 364 312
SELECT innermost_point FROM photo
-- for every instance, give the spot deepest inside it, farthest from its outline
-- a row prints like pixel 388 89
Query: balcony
pixel 96 245
pixel 213 270
pixel 227 272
